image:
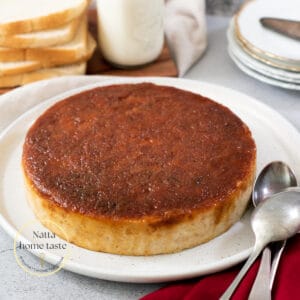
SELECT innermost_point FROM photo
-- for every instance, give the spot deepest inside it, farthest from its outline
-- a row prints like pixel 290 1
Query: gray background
pixel 222 7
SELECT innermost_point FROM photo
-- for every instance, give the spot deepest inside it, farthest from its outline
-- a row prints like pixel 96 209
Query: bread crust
pixel 55 65
pixel 48 61
pixel 12 54
pixel 19 69
pixel 31 41
pixel 55 56
pixel 61 54
pixel 41 74
pixel 43 22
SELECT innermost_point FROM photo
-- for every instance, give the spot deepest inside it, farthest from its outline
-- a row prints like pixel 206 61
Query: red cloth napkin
pixel 286 285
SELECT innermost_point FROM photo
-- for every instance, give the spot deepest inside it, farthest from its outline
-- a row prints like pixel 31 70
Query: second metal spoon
pixel 274 178
pixel 273 220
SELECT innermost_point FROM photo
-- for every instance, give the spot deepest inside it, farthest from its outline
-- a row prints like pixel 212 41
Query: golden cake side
pixel 144 236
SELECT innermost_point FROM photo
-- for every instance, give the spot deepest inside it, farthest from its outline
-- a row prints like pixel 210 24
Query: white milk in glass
pixel 130 31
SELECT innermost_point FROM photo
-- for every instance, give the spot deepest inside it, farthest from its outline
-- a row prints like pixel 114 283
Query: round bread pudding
pixel 138 169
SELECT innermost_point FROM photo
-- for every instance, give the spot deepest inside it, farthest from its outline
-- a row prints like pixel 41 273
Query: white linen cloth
pixel 185 29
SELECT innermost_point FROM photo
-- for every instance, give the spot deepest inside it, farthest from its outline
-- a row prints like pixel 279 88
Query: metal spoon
pixel 274 178
pixel 274 220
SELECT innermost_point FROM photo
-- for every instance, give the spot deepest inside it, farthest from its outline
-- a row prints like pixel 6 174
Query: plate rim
pixel 253 63
pixel 191 85
pixel 250 45
pixel 261 77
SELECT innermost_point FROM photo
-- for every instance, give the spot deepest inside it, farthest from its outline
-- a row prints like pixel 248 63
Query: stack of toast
pixel 40 39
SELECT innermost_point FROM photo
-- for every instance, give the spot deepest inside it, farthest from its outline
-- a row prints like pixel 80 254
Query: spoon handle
pixel 230 290
pixel 261 286
pixel 275 261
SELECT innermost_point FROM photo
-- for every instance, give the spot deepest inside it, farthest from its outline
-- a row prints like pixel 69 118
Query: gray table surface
pixel 215 67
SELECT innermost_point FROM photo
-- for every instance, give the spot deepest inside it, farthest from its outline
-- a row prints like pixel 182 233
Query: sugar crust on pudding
pixel 138 169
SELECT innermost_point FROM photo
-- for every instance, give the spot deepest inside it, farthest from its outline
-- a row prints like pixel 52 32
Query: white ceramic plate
pixel 256 65
pixel 261 77
pixel 265 41
pixel 276 140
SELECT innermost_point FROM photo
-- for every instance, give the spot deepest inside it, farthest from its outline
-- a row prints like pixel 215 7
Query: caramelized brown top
pixel 137 150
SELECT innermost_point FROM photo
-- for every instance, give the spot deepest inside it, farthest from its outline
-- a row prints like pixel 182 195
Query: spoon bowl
pixel 274 178
pixel 278 218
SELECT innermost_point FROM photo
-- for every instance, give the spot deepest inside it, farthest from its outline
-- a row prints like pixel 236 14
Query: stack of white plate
pixel 261 53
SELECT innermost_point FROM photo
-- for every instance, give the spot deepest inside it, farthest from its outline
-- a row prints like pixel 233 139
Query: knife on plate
pixel 286 27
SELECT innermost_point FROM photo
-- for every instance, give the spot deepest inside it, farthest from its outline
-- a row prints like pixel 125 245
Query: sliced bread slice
pixel 45 38
pixel 23 16
pixel 60 53
pixel 67 53
pixel 11 68
pixel 20 79
pixel 67 56
pixel 20 67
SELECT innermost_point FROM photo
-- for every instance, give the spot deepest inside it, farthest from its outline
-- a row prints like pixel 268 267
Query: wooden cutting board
pixel 163 66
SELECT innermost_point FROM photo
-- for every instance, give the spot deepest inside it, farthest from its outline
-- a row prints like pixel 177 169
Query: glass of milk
pixel 130 32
